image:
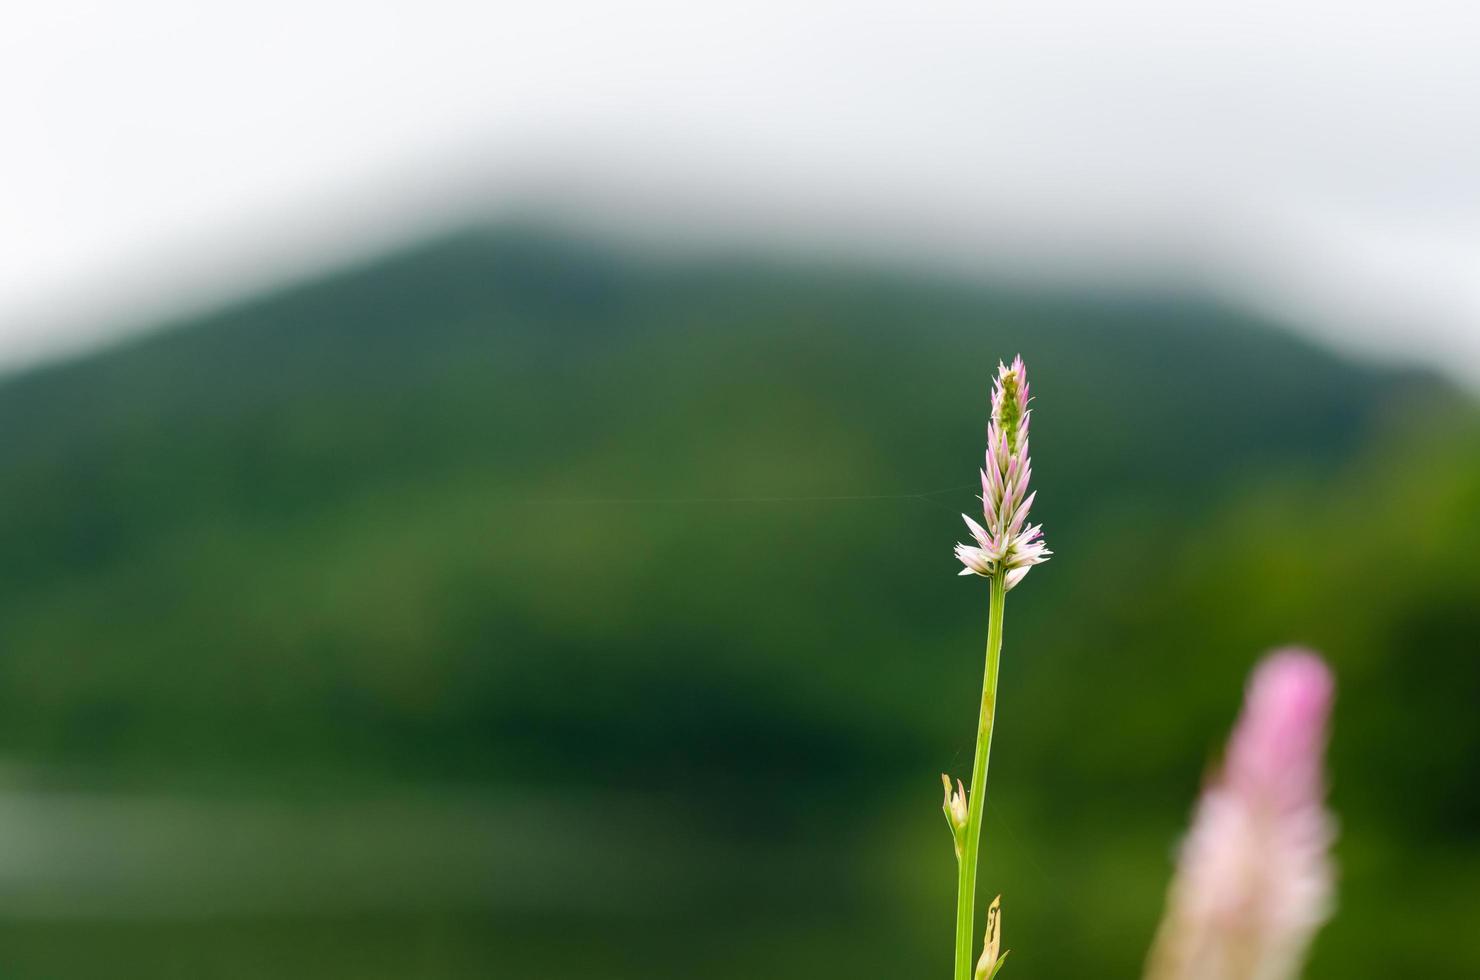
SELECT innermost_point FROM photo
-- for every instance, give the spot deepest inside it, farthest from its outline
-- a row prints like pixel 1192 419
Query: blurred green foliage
pixel 521 607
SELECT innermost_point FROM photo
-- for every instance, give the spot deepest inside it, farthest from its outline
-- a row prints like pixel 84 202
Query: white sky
pixel 1318 160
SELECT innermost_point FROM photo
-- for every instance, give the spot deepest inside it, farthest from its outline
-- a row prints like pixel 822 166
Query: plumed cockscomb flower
pixel 1254 878
pixel 1004 540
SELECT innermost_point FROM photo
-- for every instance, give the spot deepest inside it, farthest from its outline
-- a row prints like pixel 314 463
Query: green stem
pixel 966 869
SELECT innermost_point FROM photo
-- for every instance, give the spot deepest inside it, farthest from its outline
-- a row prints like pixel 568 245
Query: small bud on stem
pixel 956 812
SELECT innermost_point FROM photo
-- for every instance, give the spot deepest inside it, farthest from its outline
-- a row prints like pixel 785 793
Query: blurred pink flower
pixel 1254 878
pixel 1004 540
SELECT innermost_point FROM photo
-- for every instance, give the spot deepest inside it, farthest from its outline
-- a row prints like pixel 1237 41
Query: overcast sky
pixel 1319 161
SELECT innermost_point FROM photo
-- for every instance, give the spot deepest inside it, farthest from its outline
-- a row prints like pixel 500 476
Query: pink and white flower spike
pixel 1254 876
pixel 1004 541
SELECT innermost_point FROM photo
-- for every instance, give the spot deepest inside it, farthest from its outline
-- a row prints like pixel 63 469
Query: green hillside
pixel 523 607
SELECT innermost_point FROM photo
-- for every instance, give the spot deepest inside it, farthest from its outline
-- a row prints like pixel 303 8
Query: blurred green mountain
pixel 658 549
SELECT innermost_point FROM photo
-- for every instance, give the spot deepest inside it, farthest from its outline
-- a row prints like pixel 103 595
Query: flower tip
pixel 1277 744
pixel 1294 672
pixel 1295 687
